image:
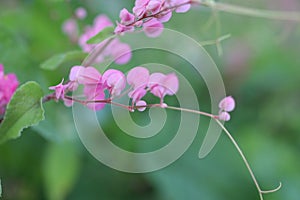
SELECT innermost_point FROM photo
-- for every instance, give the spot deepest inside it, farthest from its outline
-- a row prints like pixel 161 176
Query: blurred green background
pixel 260 68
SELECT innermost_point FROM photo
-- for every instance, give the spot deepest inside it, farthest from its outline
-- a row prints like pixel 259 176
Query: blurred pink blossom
pixel 70 28
pixel 80 13
pixel 8 86
pixel 119 51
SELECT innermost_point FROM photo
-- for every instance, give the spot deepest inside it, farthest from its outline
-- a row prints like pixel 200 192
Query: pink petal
pixel 171 83
pixel 153 28
pixel 59 90
pixel 139 11
pixel 138 77
pixel 165 17
pixel 126 17
pixel 115 80
pixel 155 79
pixel 140 3
pixel 227 104
pixel 137 94
pixel 89 75
pixel 154 6
pixel 183 8
pixel 74 73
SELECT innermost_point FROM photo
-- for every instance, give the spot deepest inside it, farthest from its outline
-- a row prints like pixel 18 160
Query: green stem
pixel 240 10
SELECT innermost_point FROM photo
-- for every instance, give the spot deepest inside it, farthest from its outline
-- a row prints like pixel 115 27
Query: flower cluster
pixel 226 105
pixel 120 52
pixel 8 85
pixel 150 14
pixel 114 81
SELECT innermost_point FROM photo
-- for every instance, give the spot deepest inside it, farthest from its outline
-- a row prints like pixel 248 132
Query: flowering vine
pixel 101 89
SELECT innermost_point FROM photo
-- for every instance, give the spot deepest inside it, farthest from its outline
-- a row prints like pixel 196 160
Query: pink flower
pixel 126 17
pixel 161 85
pixel 138 77
pixel 8 86
pixel 80 13
pixel 153 28
pixel 153 7
pixel 140 8
pixel 114 80
pixel 227 104
pixel 59 90
pixel 121 28
pixel 137 94
pixel 85 75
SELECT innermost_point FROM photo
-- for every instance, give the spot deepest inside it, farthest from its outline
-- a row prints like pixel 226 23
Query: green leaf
pixel 61 169
pixel 56 61
pixel 102 35
pixel 24 110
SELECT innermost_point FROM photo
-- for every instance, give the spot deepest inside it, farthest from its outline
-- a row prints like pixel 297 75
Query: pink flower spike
pixel 80 13
pixel 59 90
pixel 153 28
pixel 138 77
pixel 115 80
pixel 126 17
pixel 227 104
pixel 224 116
pixel 141 105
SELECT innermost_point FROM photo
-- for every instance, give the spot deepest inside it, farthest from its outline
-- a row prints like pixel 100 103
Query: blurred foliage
pixel 260 68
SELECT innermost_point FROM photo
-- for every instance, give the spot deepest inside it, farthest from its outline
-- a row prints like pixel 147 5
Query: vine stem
pixel 240 10
pixel 215 117
pixel 260 191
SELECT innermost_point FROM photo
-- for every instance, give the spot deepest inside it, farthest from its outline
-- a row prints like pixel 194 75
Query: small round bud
pixel 141 105
pixel 224 116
